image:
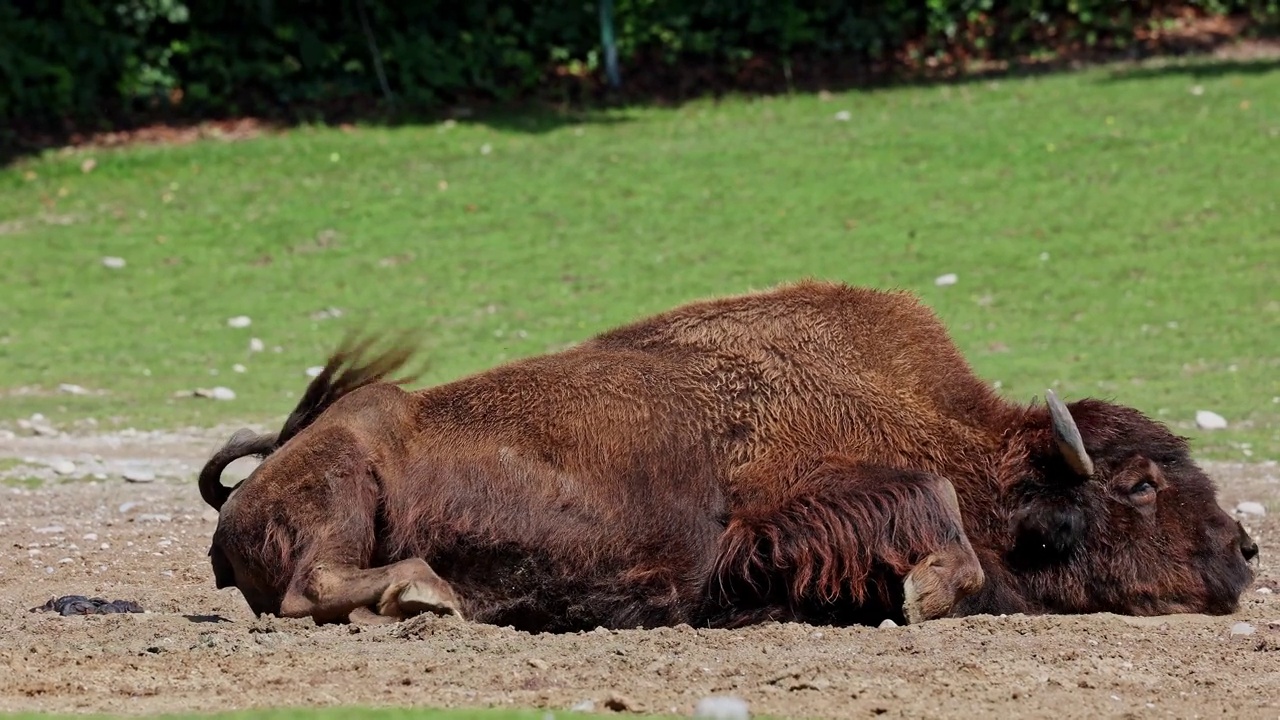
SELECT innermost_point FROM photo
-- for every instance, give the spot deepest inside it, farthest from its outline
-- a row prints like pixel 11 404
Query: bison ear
pixel 1067 435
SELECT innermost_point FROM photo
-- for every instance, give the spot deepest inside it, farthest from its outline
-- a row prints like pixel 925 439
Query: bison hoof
pixel 933 587
pixel 418 597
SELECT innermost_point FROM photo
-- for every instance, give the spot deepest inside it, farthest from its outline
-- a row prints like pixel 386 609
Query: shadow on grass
pixel 1195 70
pixel 587 101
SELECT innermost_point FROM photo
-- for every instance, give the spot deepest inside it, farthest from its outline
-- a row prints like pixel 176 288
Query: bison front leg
pixel 947 575
pixel 847 543
pixel 403 589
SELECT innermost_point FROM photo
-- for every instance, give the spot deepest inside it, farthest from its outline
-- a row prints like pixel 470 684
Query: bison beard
pixel 816 453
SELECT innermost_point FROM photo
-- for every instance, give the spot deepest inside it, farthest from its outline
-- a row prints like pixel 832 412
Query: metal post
pixel 610 46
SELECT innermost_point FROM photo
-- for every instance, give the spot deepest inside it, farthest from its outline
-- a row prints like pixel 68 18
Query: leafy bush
pixel 84 59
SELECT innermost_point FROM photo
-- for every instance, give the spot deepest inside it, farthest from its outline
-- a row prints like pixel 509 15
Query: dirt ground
pixel 85 530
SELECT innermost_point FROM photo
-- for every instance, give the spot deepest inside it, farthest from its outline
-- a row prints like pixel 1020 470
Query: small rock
pixel 127 506
pixel 216 393
pixel 239 368
pixel 89 536
pixel 888 623
pixel 63 467
pixel 139 476
pixel 538 663
pixel 115 263
pixel 1264 591
pixel 154 517
pixel 844 116
pixel 72 389
pixel 88 165
pixel 945 280
pixel 1209 420
pixel 722 707
pixel 65 561
pixel 314 371
pixel 51 530
pixel 1242 628
pixel 1249 507
pixel 256 345
pixel 239 321
pixel 7 435
pixel 586 706
pixel 43 430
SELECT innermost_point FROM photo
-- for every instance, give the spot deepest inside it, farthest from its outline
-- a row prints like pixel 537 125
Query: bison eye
pixel 1143 492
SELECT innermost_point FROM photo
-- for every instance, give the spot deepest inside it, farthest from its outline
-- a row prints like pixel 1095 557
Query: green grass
pixel 1113 236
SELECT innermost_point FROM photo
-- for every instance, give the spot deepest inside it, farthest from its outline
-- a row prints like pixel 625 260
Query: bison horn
pixel 243 443
pixel 1065 432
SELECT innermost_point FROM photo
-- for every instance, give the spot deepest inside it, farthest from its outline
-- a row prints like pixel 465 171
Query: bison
pixel 816 453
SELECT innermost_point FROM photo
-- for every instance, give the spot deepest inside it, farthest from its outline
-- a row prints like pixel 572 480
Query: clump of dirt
pixel 195 648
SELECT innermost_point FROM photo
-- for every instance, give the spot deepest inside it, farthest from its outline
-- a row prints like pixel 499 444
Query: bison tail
pixel 351 367
pixel 243 443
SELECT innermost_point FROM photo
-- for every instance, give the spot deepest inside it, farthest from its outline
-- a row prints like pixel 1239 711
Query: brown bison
pixel 817 453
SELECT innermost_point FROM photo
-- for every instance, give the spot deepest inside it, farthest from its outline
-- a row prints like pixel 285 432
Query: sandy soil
pixel 199 649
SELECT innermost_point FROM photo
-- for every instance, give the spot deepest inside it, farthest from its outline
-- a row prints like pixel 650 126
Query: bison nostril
pixel 1250 551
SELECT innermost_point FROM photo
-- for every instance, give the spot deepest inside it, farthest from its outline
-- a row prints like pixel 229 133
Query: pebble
pixel 722 707
pixel 43 430
pixel 1209 420
pixel 888 623
pixel 154 517
pixel 127 506
pixel 586 706
pixel 239 321
pixel 314 370
pixel 256 345
pixel 115 263
pixel 1242 628
pixel 1249 507
pixel 945 280
pixel 538 663
pixel 63 467
pixel 844 116
pixel 72 389
pixel 89 536
pixel 51 530
pixel 239 368
pixel 1264 591
pixel 217 393
pixel 139 476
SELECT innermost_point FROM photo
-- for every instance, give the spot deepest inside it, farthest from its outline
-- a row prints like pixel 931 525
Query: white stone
pixel 222 393
pixel 139 476
pixel 722 707
pixel 1249 507
pixel 945 280
pixel 256 345
pixel 239 321
pixel 314 371
pixel 844 116
pixel 888 623
pixel 51 530
pixel 72 389
pixel 63 467
pixel 239 368
pixel 1209 420
pixel 115 263
pixel 1242 628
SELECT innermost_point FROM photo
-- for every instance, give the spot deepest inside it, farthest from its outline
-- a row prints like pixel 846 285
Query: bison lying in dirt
pixel 816 453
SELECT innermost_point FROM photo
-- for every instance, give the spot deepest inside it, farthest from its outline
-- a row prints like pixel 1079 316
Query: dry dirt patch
pixel 200 649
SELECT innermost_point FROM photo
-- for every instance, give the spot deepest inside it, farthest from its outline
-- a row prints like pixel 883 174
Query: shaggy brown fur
pixel 817 452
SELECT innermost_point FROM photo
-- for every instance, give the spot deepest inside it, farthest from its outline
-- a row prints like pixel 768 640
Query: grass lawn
pixel 1113 235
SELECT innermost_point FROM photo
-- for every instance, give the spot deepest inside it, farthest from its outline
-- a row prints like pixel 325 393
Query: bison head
pixel 1112 515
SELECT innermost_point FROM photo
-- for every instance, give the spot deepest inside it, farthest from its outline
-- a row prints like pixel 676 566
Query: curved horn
pixel 243 443
pixel 1067 434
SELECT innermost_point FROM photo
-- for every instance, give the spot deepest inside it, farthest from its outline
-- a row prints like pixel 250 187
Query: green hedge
pixel 98 59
